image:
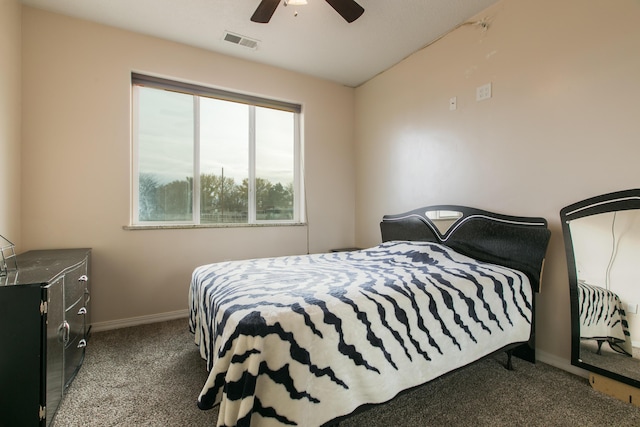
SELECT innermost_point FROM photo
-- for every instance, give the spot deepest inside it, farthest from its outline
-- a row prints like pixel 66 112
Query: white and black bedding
pixel 304 340
pixel 603 318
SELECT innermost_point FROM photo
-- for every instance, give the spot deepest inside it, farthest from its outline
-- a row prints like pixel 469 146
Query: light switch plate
pixel 483 92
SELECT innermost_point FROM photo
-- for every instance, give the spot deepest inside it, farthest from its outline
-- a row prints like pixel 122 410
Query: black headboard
pixel 511 241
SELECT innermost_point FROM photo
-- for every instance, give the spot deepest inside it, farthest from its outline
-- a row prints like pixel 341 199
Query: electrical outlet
pixel 483 92
pixel 631 308
pixel 453 103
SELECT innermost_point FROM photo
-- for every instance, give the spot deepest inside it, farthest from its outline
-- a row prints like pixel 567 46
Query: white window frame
pixel 252 102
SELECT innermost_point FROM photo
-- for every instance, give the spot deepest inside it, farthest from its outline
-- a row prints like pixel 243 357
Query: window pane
pixel 224 161
pixel 240 158
pixel 165 155
pixel 274 164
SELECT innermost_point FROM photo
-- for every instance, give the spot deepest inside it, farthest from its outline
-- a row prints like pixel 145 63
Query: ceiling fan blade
pixel 348 9
pixel 265 11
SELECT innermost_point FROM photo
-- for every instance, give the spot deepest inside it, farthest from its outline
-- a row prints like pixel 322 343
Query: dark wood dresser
pixel 44 326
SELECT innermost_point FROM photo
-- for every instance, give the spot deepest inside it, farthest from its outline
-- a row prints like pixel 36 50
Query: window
pixel 207 156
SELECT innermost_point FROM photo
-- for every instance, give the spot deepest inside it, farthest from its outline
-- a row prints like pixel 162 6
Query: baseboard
pixel 560 363
pixel 140 320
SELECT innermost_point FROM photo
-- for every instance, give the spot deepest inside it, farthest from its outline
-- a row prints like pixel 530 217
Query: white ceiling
pixel 316 42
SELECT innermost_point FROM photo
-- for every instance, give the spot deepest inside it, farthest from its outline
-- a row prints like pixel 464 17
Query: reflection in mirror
pixel 602 238
pixel 443 220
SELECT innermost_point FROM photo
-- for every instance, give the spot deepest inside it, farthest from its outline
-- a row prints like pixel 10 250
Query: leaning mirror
pixel 602 242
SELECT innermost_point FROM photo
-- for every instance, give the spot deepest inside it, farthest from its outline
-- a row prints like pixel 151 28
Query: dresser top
pixel 43 266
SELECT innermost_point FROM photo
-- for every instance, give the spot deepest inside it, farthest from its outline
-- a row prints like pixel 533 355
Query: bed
pixel 603 318
pixel 307 340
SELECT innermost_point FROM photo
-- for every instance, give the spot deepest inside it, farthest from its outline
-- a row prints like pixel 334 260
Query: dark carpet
pixel 151 375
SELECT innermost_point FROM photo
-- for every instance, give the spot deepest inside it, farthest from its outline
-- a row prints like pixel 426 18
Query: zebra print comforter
pixel 602 317
pixel 301 340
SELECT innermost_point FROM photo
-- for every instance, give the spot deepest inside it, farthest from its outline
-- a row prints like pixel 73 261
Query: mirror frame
pixel 616 201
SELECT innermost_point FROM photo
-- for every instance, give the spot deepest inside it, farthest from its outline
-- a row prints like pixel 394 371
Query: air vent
pixel 240 40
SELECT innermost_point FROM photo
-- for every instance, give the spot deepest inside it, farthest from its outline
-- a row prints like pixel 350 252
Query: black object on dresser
pixel 44 325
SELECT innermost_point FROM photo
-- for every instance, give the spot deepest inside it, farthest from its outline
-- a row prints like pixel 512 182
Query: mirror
pixel 443 219
pixel 602 243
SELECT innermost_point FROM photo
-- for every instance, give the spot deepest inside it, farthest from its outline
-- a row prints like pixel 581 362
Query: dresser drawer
pixel 75 340
pixel 75 284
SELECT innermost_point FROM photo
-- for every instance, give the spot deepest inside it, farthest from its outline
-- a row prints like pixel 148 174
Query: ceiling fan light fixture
pixel 350 10
pixel 295 2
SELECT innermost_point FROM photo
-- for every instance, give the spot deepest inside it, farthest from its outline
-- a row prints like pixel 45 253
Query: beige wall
pixel 76 168
pixel 562 125
pixel 10 120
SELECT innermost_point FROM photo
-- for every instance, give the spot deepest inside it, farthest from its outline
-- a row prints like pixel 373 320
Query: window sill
pixel 190 226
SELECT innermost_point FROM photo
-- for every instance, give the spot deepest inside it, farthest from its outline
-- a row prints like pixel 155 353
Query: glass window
pixel 224 162
pixel 239 157
pixel 165 155
pixel 274 165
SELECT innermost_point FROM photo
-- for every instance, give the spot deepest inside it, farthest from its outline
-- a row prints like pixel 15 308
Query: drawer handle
pixel 82 311
pixel 82 343
pixel 65 328
pixel 83 278
pixel 61 333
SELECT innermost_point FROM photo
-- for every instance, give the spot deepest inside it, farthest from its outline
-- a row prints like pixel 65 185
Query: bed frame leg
pixel 509 364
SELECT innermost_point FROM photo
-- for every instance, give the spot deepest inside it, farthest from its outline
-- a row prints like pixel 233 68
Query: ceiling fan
pixel 348 9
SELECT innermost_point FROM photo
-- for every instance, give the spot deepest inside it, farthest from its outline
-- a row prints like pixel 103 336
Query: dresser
pixel 44 326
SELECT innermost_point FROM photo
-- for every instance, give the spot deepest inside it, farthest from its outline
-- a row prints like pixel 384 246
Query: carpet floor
pixel 151 375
